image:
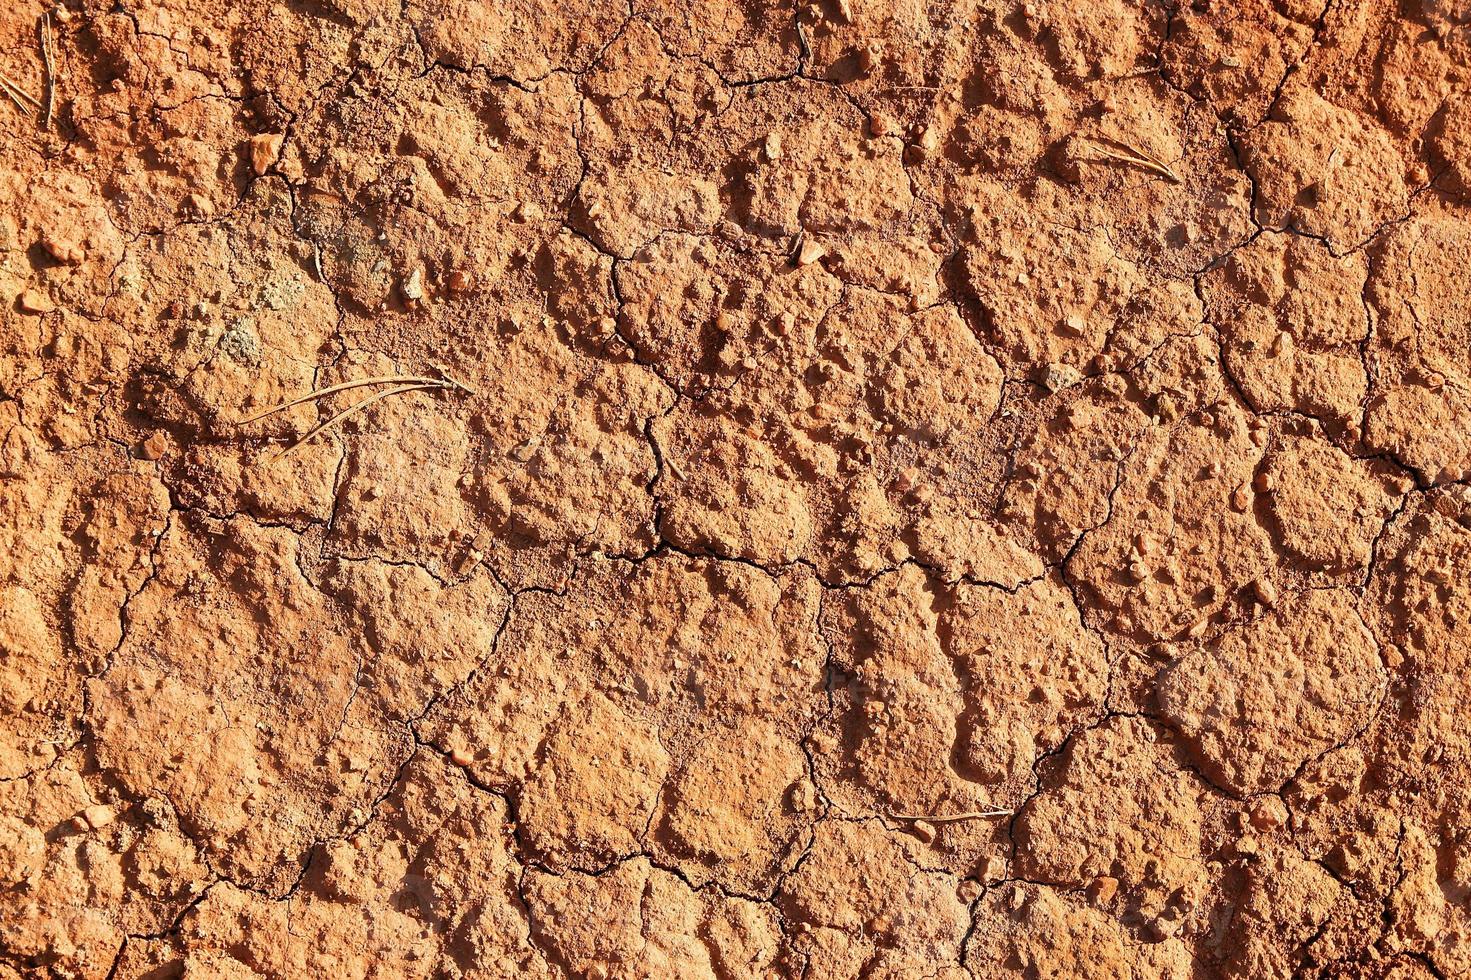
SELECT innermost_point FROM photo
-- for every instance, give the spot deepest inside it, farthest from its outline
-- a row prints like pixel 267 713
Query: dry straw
pixel 1123 153
pixel 401 383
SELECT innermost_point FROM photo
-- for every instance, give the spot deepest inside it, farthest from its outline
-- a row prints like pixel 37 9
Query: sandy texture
pixel 935 490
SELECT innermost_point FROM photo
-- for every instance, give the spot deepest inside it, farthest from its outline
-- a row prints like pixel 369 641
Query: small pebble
pixel 98 817
pixel 36 302
pixel 810 251
pixel 1055 377
pixel 1102 889
pixel 62 248
pixel 264 149
pixel 1268 813
pixel 199 206
pixel 413 286
pixel 154 446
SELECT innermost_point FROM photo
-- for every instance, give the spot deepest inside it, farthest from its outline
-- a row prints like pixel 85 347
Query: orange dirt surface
pixel 893 490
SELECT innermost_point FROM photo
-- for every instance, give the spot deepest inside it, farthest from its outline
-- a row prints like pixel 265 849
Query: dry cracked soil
pixel 921 490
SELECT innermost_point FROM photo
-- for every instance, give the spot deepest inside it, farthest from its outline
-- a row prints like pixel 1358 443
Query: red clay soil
pixel 904 491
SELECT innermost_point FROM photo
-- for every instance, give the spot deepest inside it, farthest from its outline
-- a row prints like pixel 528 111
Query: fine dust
pixel 935 490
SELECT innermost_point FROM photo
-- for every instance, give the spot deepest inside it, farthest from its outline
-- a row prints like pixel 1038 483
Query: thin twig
pixel 25 110
pixel 361 382
pixel 951 817
pixel 353 410
pixel 16 91
pixel 454 383
pixel 50 91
